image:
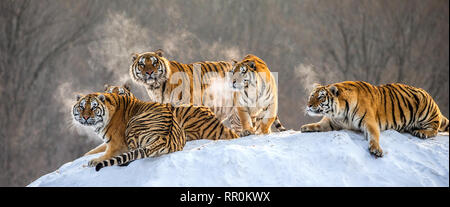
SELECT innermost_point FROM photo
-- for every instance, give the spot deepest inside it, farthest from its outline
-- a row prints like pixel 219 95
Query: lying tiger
pixel 132 129
pixel 358 105
pixel 191 130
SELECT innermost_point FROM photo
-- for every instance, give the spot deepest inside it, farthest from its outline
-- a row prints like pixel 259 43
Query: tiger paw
pixel 246 133
pixel 424 134
pixel 94 162
pixel 375 149
pixel 308 128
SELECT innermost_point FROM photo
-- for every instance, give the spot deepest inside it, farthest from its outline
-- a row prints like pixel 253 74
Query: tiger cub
pixel 168 81
pixel 132 129
pixel 358 105
pixel 256 98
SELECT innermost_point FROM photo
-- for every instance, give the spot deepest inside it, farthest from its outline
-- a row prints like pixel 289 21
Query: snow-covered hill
pixel 338 158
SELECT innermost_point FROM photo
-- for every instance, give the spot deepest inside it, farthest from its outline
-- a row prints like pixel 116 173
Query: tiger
pixel 133 129
pixel 125 90
pixel 256 99
pixel 119 90
pixel 161 78
pixel 234 122
pixel 361 106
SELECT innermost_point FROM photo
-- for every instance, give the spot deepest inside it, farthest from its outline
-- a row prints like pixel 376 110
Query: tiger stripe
pixel 361 106
pixel 256 101
pixel 155 72
pixel 137 129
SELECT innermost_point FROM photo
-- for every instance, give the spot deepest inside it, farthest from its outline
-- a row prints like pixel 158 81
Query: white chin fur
pixel 310 113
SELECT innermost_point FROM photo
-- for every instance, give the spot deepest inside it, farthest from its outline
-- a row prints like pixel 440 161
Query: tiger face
pixel 90 110
pixel 323 101
pixel 242 75
pixel 119 90
pixel 150 68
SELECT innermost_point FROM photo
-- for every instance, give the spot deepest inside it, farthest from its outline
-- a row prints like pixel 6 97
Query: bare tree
pixel 50 50
pixel 34 34
pixel 383 41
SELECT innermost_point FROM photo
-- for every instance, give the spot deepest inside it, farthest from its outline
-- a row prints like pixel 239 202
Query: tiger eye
pixel 98 111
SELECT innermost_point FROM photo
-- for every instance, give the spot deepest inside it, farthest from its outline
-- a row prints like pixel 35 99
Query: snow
pixel 337 158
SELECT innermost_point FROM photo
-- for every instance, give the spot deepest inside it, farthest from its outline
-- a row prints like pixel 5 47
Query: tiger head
pixel 323 101
pixel 150 69
pixel 119 90
pixel 91 110
pixel 247 72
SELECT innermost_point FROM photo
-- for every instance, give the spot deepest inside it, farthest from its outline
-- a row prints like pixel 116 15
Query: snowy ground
pixel 338 158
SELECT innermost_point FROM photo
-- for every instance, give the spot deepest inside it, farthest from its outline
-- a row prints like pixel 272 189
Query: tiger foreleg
pixel 266 123
pixel 372 133
pixel 278 124
pixel 323 125
pixel 246 121
pixel 99 148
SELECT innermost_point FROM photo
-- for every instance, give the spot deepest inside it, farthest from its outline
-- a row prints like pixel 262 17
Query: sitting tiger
pixel 358 105
pixel 173 82
pixel 132 129
pixel 256 97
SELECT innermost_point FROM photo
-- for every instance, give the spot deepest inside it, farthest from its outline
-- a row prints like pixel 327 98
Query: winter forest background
pixel 52 50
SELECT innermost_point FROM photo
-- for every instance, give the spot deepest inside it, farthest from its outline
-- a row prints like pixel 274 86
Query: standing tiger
pixel 177 83
pixel 132 129
pixel 358 105
pixel 256 99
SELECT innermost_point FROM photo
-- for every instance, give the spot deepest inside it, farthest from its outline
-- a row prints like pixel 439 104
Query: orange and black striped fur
pixel 256 97
pixel 177 83
pixel 133 129
pixel 119 90
pixel 192 128
pixel 358 105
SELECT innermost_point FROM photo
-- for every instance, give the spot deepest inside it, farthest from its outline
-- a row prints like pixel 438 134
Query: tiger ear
pixel 78 97
pixel 334 90
pixel 251 64
pixel 316 85
pixel 134 56
pixel 233 62
pixel 159 52
pixel 101 97
pixel 106 86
